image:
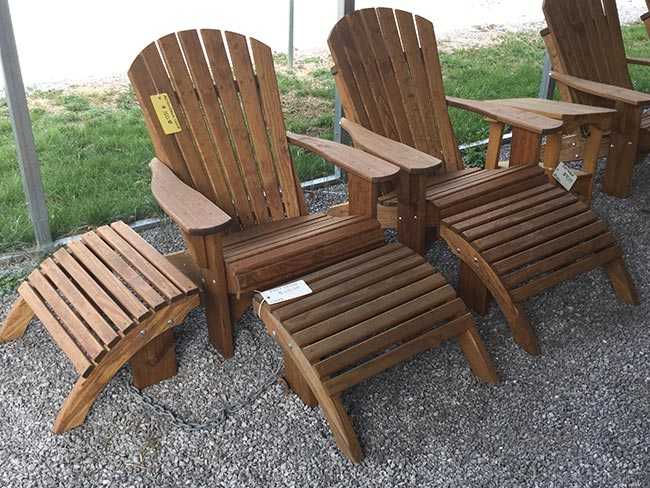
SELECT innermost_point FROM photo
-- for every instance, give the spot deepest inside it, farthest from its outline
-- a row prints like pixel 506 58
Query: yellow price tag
pixel 165 112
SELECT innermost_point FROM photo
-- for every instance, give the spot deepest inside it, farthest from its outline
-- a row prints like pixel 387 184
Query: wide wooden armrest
pixel 355 161
pixel 407 158
pixel 641 61
pixel 191 211
pixel 602 90
pixel 645 16
pixel 515 117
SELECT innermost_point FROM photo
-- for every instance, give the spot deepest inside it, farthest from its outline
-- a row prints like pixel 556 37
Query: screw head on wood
pixel 274 333
pixel 142 332
pixel 170 322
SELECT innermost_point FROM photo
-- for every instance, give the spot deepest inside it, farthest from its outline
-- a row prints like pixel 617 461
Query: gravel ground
pixel 575 416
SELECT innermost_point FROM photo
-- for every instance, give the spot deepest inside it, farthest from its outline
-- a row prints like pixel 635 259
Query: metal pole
pixel 290 50
pixel 22 125
pixel 547 85
pixel 345 7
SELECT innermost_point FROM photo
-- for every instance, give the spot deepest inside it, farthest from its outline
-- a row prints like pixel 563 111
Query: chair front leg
pixel 207 252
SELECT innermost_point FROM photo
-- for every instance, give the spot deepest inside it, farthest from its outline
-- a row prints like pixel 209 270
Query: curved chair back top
pixel 388 73
pixel 585 40
pixel 213 111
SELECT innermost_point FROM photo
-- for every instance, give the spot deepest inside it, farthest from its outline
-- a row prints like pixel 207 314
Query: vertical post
pixel 290 50
pixel 345 7
pixel 547 85
pixel 22 126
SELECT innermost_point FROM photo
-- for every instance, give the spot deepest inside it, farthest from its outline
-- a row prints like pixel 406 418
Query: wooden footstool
pixel 363 316
pixel 105 300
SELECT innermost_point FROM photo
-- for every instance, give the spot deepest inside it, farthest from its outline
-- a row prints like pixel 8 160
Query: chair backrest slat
pixel 389 76
pixel 589 43
pixel 232 144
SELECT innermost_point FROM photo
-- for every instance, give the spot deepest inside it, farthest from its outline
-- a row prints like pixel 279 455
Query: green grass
pixel 94 147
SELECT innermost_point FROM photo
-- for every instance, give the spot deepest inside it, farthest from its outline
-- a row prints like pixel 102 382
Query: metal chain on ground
pixel 215 421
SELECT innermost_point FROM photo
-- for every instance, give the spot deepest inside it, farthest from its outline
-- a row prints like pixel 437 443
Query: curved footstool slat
pixel 519 246
pixel 364 316
pixel 106 300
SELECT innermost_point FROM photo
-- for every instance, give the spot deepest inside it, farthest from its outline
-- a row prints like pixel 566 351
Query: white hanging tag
pixel 565 176
pixel 286 292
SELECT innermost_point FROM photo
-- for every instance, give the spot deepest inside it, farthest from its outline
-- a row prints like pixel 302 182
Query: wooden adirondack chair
pixel 516 233
pixel 224 174
pixel 585 43
pixel 388 74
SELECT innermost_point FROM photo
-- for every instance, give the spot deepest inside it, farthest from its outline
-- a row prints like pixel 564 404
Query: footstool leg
pixel 341 425
pixel 17 321
pixel 297 382
pixel 522 331
pixel 155 362
pixel 86 390
pixel 622 282
pixel 477 356
pixel 472 290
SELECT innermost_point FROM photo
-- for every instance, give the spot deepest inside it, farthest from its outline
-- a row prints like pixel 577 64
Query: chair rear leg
pixel 622 282
pixel 17 321
pixel 155 362
pixel 472 290
pixel 477 356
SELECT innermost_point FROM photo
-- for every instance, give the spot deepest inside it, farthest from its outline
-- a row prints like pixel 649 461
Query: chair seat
pixel 273 253
pixel 462 190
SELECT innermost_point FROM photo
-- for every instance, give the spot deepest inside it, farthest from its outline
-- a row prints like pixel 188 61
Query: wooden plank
pixel 252 107
pixel 75 297
pixel 77 330
pixel 301 244
pixel 184 139
pixel 358 282
pixel 272 106
pixel 452 157
pixel 165 147
pixel 123 270
pixel 395 356
pixel 413 54
pixel 268 229
pixel 293 263
pixel 506 206
pixel 528 226
pixel 549 247
pixel 286 235
pixel 59 335
pixel 320 341
pixel 405 80
pixel 197 64
pixel 558 260
pixel 519 216
pixel 106 277
pixel 224 81
pixel 358 305
pixel 145 249
pixel 93 291
pixel 534 238
pixel 406 330
pixel 133 257
pixel 581 266
pixel 197 125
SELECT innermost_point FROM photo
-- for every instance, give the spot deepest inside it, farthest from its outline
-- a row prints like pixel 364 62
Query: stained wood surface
pixel 388 73
pixel 274 253
pixel 365 315
pixel 92 294
pixel 232 147
pixel 534 240
pixel 359 163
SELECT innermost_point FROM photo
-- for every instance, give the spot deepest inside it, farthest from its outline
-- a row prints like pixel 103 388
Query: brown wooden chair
pixel 586 47
pixel 224 174
pixel 516 233
pixel 388 73
pixel 646 18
